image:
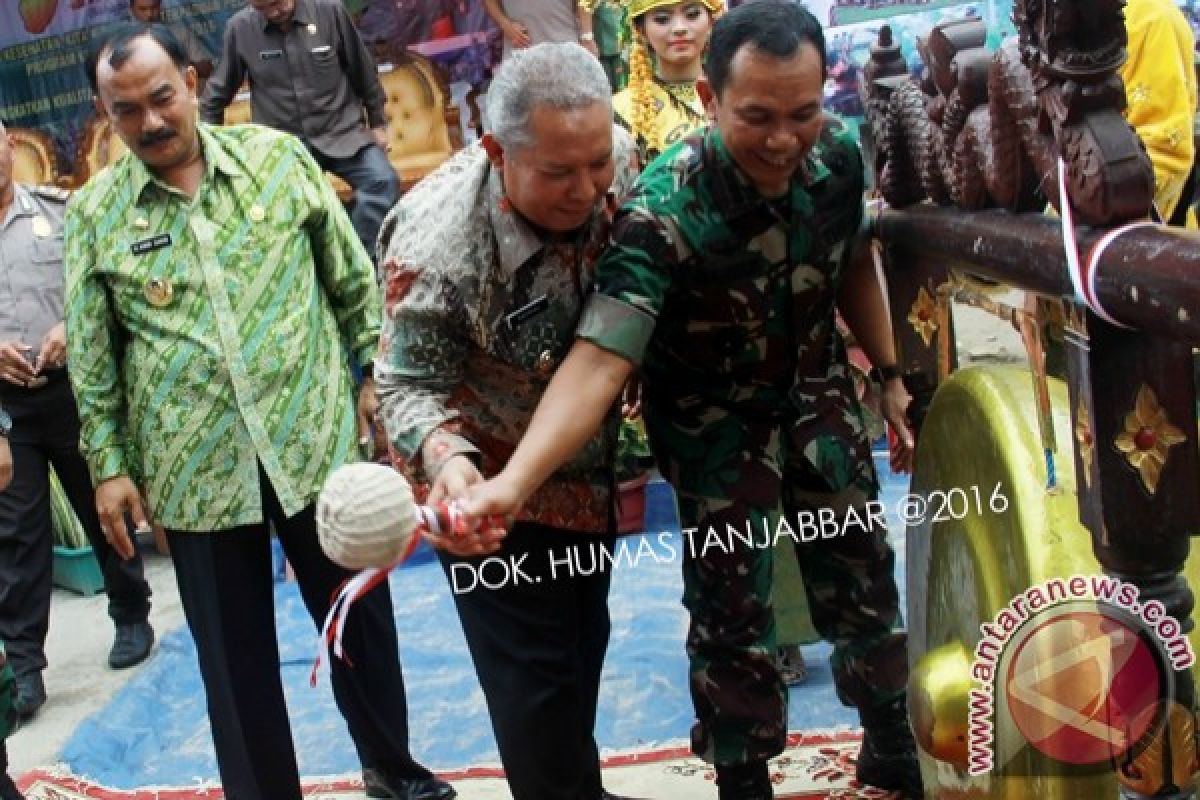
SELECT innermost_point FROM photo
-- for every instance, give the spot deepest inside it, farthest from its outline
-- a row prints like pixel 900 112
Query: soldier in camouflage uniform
pixel 726 267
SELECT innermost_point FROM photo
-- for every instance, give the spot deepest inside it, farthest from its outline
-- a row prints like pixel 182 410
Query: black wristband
pixel 368 370
pixel 886 373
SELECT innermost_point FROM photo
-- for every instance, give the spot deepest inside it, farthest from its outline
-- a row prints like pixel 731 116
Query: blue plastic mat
pixel 155 731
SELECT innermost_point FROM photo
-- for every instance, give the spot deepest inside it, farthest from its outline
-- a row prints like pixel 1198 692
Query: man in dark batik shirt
pixel 485 264
pixel 727 266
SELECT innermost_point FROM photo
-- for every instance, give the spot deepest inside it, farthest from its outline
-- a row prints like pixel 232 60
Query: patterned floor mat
pixel 814 766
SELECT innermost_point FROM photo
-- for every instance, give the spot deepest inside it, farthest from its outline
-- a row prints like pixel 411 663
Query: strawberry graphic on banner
pixel 37 14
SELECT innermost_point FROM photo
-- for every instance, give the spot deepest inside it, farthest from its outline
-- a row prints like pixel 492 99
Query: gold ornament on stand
pixel 1147 438
pixel 923 316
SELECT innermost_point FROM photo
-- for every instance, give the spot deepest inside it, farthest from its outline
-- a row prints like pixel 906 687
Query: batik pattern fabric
pixel 209 335
pixel 480 308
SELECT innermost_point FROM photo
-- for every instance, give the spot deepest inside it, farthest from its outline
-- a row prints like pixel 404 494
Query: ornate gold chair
pixel 98 147
pixel 238 112
pixel 423 126
pixel 34 161
pixel 423 122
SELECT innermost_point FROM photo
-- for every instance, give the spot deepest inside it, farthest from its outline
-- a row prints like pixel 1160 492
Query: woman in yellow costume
pixel 1160 87
pixel 660 104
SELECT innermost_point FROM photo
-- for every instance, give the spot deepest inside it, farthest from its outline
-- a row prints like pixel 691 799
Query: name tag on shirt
pixel 270 55
pixel 150 245
pixel 531 309
pixel 322 50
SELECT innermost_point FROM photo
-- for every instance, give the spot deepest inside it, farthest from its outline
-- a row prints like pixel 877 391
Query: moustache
pixel 154 137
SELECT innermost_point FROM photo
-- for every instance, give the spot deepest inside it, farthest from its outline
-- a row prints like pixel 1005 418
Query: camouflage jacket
pixel 479 311
pixel 727 299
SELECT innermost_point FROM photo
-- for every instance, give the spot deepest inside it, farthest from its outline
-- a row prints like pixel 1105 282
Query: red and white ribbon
pixel 1083 275
pixel 450 519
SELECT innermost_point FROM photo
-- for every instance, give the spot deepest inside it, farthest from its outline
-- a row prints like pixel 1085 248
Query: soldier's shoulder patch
pixel 54 193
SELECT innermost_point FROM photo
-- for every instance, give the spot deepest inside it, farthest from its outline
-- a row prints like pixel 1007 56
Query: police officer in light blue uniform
pixel 43 431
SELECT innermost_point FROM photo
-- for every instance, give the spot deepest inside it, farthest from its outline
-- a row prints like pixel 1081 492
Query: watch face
pixel 5 423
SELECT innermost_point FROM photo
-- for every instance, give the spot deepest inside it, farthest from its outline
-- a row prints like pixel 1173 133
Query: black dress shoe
pixel 381 785
pixel 131 645
pixel 8 789
pixel 31 695
pixel 888 758
pixel 751 781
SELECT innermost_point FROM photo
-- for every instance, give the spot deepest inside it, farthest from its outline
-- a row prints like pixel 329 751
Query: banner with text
pixel 43 45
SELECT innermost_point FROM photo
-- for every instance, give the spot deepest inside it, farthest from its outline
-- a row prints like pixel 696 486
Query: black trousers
pixel 46 431
pixel 8 789
pixel 537 634
pixel 227 591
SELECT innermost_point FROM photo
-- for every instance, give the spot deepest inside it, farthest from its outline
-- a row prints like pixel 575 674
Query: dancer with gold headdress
pixel 660 105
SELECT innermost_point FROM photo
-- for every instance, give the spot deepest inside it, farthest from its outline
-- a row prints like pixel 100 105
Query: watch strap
pixel 885 373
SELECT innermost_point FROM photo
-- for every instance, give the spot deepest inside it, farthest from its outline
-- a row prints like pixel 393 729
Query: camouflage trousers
pixel 742 487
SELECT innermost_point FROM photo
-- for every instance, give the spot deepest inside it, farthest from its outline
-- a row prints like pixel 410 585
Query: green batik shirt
pixel 727 299
pixel 209 335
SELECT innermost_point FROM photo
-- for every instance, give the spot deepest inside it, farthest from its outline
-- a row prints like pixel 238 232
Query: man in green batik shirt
pixel 212 278
pixel 725 269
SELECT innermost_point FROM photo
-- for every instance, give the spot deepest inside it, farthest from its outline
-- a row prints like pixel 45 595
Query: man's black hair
pixel 118 47
pixel 775 27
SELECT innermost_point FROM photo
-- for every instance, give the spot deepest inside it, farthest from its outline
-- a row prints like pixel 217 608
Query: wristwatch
pixel 5 423
pixel 887 372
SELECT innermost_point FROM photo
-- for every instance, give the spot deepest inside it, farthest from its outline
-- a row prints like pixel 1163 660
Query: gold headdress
pixel 638 7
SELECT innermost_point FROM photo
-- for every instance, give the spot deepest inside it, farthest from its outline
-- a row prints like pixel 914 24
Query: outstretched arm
pixel 632 280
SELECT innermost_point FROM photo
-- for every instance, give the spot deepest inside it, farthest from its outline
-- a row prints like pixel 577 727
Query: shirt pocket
pixel 269 69
pixel 326 67
pixel 147 285
pixel 47 249
pixel 733 327
pixel 536 342
pixel 257 263
pixel 255 249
